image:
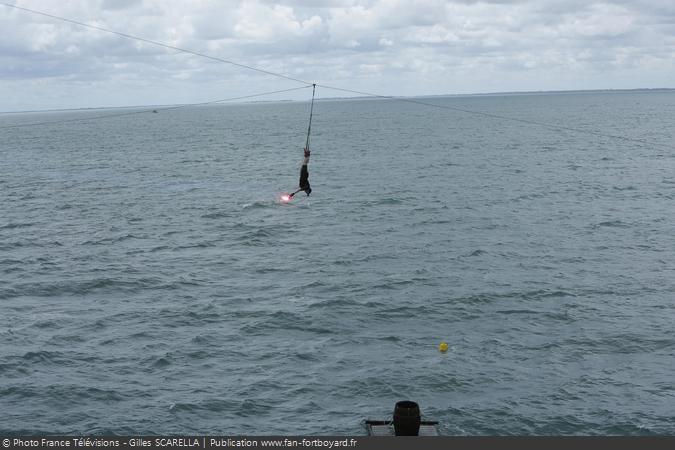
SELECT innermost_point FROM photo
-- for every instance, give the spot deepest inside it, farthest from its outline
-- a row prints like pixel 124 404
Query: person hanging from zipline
pixel 304 176
pixel 304 173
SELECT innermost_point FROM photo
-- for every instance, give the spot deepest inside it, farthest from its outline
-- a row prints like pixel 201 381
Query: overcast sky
pixel 391 47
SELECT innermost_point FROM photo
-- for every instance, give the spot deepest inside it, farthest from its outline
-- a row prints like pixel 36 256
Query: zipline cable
pixel 497 116
pixel 145 111
pixel 311 111
pixel 161 44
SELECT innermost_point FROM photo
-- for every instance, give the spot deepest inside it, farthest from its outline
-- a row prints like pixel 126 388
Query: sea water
pixel 152 282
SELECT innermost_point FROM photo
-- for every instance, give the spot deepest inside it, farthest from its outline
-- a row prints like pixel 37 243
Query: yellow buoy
pixel 443 347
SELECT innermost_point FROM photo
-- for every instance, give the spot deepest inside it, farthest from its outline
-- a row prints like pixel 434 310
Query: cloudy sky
pixel 391 47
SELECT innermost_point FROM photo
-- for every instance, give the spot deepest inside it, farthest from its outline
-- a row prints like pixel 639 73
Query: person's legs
pixel 304 176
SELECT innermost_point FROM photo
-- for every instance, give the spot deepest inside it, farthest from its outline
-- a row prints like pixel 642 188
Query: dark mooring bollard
pixel 407 419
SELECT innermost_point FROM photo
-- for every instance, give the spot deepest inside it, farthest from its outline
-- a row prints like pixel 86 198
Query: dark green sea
pixel 152 282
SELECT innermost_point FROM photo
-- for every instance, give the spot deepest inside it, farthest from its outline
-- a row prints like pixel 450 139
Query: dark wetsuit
pixel 304 179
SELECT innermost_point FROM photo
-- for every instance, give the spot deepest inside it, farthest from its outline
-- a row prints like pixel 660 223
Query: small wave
pixel 562 316
pixel 625 188
pixel 20 244
pixel 530 196
pixel 478 252
pixel 112 240
pixel 385 201
pixel 491 297
pixel 216 215
pixel 517 311
pixel 243 408
pixel 334 304
pixel 285 321
pixel 12 225
pixel 153 362
pixel 255 236
pixel 10 262
pixel 343 262
pixel 435 221
pixel 317 284
pixel 258 205
pixel 16 393
pixel 48 324
pixel 624 343
pixel 253 243
pixel 11 245
pixel 161 363
pixel 78 393
pixel 140 335
pixel 78 287
pixel 544 293
pixel 393 284
pixel 611 224
pixel 181 407
pixel 402 311
pixel 201 339
pixel 11 370
pixel 203 316
pixel 198 355
pixel 258 233
pixel 365 386
pixel 203 244
pixel 41 357
pixel 71 393
pixel 306 357
pixel 7 293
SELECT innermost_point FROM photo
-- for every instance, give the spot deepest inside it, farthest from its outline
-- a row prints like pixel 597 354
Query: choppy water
pixel 150 282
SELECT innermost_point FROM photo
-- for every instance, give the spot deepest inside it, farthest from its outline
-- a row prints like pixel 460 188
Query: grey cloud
pixel 120 4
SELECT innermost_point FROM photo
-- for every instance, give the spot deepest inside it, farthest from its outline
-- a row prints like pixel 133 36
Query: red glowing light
pixel 285 198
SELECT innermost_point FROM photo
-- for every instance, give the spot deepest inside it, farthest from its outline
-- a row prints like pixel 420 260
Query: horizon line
pixel 474 94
